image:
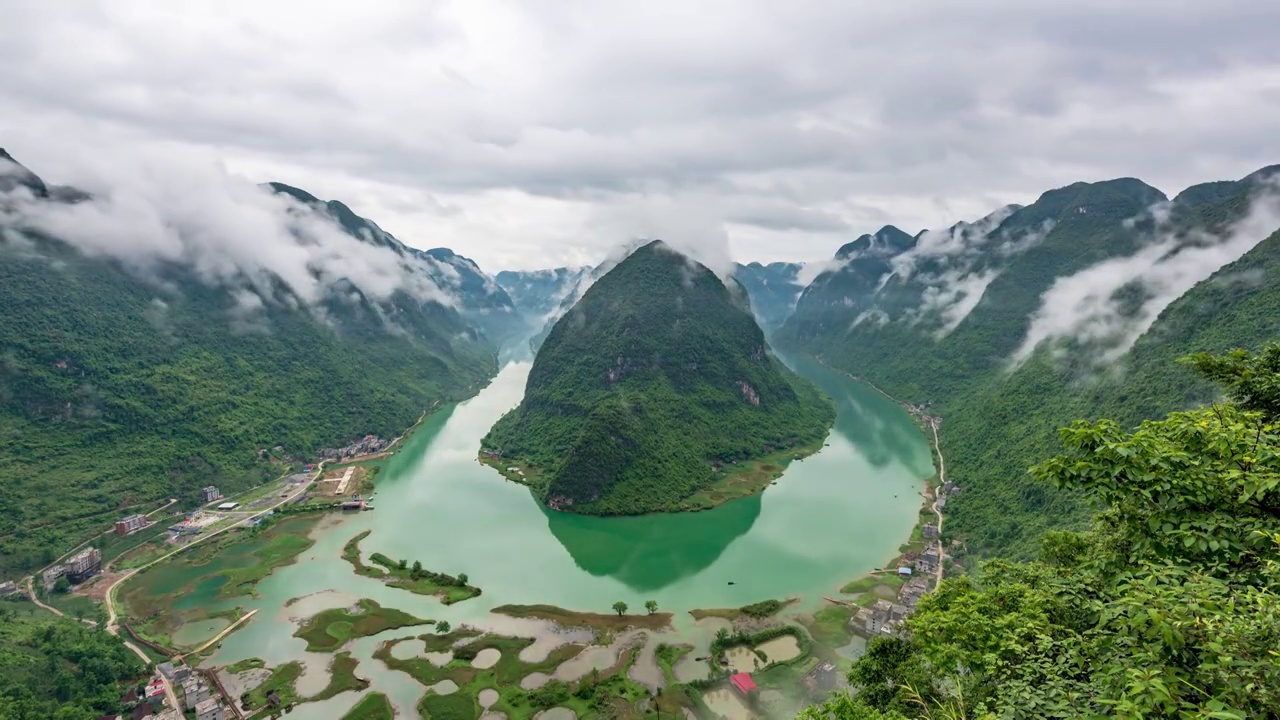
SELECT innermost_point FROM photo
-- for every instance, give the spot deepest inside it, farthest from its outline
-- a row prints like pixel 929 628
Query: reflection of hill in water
pixel 881 430
pixel 650 552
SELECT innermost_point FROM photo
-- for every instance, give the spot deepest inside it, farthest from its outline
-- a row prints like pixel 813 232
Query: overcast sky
pixel 543 132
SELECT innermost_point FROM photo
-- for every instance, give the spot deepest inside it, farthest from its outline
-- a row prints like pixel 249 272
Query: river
pixel 829 518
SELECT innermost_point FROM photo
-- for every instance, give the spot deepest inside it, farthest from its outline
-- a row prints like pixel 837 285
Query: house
pixel 228 506
pixel 84 564
pixel 177 673
pixel 130 525
pixel 155 688
pixel 211 709
pixel 194 691
pixel 929 531
pixel 210 493
pixel 168 715
pixel 822 678
pixel 904 572
pixel 8 588
pixel 743 683
pixel 50 576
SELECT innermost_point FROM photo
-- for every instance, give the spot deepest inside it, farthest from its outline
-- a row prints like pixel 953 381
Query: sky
pixel 541 133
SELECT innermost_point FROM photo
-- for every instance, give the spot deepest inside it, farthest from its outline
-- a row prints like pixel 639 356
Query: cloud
pixel 524 121
pixel 147 211
pixel 954 296
pixel 1108 306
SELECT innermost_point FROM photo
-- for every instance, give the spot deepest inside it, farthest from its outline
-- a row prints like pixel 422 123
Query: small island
pixel 656 392
pixel 412 577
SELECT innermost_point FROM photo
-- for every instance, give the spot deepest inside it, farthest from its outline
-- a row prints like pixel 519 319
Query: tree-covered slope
pixel 655 377
pixel 1166 607
pixel 120 389
pixel 999 416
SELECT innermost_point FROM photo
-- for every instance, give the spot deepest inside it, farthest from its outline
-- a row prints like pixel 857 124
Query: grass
pixel 758 610
pixel 374 706
pixel 595 621
pixel 885 586
pixel 608 693
pixel 456 706
pixel 748 478
pixel 422 582
pixel 246 664
pixel 830 626
pixel 342 677
pixel 331 629
pixel 283 681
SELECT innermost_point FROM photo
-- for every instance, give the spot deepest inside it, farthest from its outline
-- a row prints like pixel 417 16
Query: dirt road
pixel 937 509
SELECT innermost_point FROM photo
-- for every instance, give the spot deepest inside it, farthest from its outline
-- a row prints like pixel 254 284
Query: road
pixel 937 510
pixel 239 621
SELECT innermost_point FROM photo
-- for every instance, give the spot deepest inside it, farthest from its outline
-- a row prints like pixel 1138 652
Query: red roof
pixel 743 682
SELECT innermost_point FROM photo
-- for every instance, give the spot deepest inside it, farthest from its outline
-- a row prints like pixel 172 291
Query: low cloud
pixel 954 296
pixel 147 212
pixel 1108 306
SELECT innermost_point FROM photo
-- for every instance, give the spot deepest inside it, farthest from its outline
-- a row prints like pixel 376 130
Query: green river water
pixel 830 518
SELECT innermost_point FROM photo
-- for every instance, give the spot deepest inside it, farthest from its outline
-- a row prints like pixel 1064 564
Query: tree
pixel 62 585
pixel 417 567
pixel 462 579
pixel 443 626
pixel 403 564
pixel 620 608
pixel 1166 607
pixel 722 635
pixel 651 606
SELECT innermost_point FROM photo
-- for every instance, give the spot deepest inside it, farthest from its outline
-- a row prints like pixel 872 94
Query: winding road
pixel 937 496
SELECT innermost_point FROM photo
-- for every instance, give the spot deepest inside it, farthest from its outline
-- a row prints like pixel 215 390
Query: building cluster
pixel 210 493
pixel 78 568
pixel 947 490
pixel 366 445
pixel 132 524
pixel 886 617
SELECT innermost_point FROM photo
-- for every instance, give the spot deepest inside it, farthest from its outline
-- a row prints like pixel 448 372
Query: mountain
pixel 773 290
pixel 1074 306
pixel 120 388
pixel 482 301
pixel 653 380
pixel 539 293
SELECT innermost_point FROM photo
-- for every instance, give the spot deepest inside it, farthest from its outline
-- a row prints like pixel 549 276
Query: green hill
pixel 999 419
pixel 656 377
pixel 119 390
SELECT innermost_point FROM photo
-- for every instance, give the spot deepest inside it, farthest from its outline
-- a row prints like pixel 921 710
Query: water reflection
pixel 653 551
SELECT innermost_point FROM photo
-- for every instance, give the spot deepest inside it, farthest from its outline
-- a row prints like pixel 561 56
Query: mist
pixel 147 210
pixel 1087 307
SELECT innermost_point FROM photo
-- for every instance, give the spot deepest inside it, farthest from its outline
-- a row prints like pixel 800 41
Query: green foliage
pixel 655 377
pixel 416 579
pixel 456 706
pixel 373 706
pixel 762 609
pixel 443 626
pixel 621 608
pixel 118 391
pixel 1000 420
pixel 331 629
pixel 1167 607
pixel 60 669
pixel 651 606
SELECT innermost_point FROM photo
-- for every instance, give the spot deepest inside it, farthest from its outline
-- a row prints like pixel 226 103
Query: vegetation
pixel 373 706
pixel 762 609
pixel 654 381
pixel 621 608
pixel 399 574
pixel 120 389
pixel 998 420
pixel 59 669
pixel 342 678
pixel 246 665
pixel 1166 606
pixel 595 621
pixel 331 629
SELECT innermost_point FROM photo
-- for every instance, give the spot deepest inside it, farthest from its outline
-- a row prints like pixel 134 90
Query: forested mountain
pixel 480 298
pixel 773 289
pixel 655 377
pixel 1074 305
pixel 538 293
pixel 121 386
pixel 1165 608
